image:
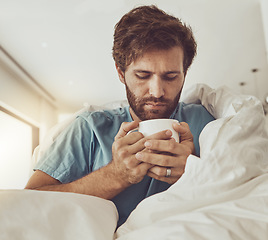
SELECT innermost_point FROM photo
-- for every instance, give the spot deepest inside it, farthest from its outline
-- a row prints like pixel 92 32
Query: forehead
pixel 159 60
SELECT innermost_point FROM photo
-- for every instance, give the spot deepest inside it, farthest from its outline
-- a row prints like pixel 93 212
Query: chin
pixel 147 115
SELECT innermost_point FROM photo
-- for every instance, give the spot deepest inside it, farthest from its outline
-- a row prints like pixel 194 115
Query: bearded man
pixel 95 155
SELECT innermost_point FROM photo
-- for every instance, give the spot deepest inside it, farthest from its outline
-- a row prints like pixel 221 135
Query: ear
pixel 121 74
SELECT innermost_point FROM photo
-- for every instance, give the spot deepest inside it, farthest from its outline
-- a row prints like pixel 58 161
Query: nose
pixel 156 88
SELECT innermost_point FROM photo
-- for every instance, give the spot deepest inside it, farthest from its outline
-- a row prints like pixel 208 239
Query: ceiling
pixel 65 45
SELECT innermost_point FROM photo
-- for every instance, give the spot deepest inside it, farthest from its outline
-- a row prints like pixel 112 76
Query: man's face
pixel 154 83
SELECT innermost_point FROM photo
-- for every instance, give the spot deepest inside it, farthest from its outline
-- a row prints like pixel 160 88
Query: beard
pixel 138 105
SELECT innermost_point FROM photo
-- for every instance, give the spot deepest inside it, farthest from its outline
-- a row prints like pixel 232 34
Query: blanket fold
pixel 227 184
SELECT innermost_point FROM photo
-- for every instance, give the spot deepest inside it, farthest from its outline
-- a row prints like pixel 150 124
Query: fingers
pixel 137 173
pixel 184 130
pixel 125 128
pixel 163 135
pixel 168 146
pixel 161 159
pixel 160 173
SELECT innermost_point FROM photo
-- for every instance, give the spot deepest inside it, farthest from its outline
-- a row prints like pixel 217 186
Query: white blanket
pixel 224 193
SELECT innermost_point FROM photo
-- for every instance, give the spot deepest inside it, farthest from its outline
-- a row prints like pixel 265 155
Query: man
pixel 96 155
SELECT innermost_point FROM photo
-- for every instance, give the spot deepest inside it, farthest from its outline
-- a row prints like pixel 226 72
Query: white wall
pixel 18 97
pixel 264 10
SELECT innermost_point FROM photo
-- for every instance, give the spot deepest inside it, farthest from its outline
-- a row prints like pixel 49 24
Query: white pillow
pixel 30 214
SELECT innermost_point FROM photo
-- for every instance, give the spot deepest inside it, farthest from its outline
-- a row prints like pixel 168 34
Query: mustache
pixel 154 100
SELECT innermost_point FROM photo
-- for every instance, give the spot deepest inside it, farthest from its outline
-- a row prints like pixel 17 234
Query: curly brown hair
pixel 147 27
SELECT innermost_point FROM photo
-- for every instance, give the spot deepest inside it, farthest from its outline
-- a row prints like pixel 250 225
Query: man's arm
pixel 101 183
pixel 109 180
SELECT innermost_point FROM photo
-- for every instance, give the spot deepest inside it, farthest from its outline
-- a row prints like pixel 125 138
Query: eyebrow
pixel 142 71
pixel 171 72
pixel 149 72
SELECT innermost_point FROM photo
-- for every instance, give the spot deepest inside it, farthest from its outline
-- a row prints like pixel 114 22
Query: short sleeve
pixel 67 159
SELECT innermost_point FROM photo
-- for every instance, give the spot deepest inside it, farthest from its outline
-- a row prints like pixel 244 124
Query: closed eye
pixel 143 75
pixel 170 76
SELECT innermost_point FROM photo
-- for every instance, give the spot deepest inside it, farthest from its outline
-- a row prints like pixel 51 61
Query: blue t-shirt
pixel 86 145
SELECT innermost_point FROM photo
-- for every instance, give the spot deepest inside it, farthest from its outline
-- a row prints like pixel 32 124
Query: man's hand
pixel 167 153
pixel 124 149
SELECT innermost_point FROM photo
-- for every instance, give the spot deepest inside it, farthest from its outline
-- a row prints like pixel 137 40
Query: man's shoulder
pixel 194 111
pixel 192 106
pixel 105 115
pixel 197 117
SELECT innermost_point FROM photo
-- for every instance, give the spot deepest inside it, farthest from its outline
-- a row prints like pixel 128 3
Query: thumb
pixel 184 130
pixel 125 128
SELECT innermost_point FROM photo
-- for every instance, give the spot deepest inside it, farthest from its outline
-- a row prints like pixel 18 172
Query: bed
pixel 222 195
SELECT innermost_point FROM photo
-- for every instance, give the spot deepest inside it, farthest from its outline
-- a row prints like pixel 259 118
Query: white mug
pixel 149 127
